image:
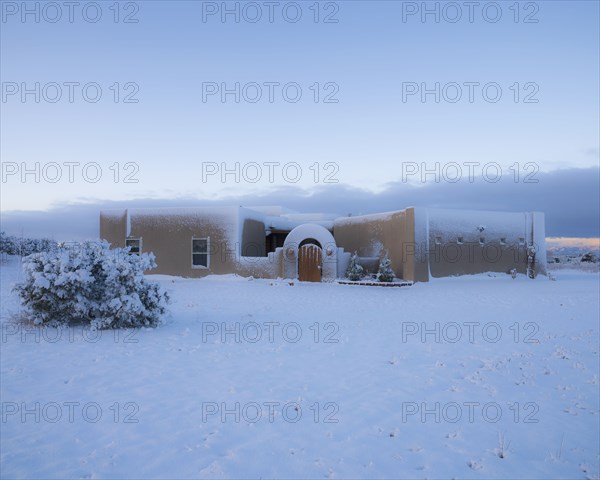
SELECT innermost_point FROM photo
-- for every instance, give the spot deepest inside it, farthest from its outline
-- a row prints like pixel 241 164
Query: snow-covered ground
pixel 471 377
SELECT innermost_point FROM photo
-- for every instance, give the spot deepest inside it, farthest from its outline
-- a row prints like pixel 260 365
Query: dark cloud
pixel 570 199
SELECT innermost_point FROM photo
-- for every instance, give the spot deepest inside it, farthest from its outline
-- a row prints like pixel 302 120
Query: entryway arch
pixel 310 253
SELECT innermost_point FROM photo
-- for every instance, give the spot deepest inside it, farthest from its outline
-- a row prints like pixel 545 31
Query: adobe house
pixel 273 242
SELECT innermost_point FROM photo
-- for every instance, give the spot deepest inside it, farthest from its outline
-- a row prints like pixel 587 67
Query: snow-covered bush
pixel 92 285
pixel 589 257
pixel 355 270
pixel 6 244
pixel 11 245
pixel 385 272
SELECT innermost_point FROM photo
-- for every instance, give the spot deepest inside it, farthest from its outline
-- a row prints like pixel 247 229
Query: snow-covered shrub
pixel 385 272
pixel 6 245
pixel 92 285
pixel 589 257
pixel 11 245
pixel 355 270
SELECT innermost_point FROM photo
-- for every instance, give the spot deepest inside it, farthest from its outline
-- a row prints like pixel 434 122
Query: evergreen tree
pixel 385 273
pixel 355 270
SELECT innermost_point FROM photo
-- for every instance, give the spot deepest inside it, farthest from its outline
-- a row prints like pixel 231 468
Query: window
pixel 200 252
pixel 135 245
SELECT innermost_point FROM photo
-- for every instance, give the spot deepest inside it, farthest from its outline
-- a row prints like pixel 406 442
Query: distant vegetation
pixel 11 245
pixel 573 258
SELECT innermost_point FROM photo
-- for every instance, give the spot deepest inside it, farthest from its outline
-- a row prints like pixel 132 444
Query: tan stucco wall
pixel 253 238
pixel 170 239
pixel 501 246
pixel 113 227
pixel 415 244
pixel 168 234
pixel 422 242
pixel 371 235
pixel 402 234
pixel 270 266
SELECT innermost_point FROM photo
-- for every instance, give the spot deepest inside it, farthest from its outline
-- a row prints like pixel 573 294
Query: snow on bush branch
pixel 91 285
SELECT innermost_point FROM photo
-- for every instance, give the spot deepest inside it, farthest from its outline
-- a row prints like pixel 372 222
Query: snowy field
pixel 471 377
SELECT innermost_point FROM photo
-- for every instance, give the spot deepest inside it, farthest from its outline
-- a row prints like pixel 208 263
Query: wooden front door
pixel 309 263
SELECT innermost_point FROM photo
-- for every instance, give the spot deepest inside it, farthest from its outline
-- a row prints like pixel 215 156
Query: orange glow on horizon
pixel 591 243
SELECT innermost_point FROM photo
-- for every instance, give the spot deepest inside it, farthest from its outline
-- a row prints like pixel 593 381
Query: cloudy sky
pixel 343 107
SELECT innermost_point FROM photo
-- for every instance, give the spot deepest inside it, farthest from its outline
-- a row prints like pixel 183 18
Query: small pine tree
pixel 385 273
pixel 354 271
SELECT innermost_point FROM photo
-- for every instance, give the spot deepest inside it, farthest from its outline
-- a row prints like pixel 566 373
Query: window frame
pixel 139 240
pixel 200 267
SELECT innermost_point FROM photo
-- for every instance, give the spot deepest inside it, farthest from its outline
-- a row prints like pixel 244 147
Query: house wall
pixel 466 242
pixel 253 238
pixel 371 235
pixel 439 243
pixel 415 244
pixel 236 239
pixel 113 227
pixel 168 234
pixel 539 241
pixel 270 266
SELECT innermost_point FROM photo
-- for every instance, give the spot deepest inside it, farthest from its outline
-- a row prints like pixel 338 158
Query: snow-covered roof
pixel 287 224
pixel 272 210
pixel 113 213
pixel 365 218
pixel 282 218
pixel 183 211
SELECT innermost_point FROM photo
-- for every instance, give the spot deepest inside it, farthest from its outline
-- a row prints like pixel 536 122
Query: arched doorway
pixel 310 261
pixel 310 254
